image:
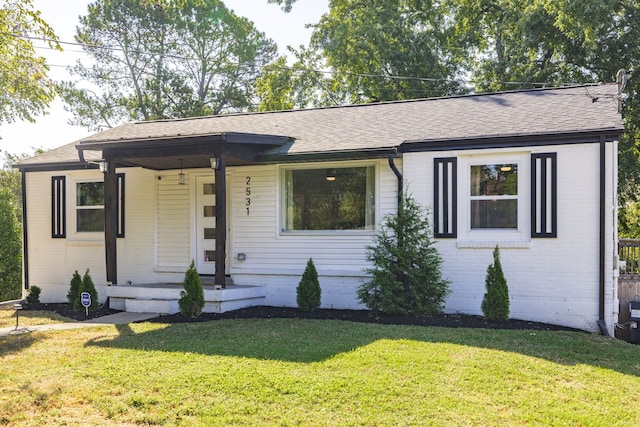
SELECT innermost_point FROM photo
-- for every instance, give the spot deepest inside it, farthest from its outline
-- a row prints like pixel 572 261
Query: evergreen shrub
pixel 308 292
pixel 495 303
pixel 406 275
pixel 191 299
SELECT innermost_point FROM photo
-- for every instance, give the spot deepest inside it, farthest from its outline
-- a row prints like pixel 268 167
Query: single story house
pixel 251 197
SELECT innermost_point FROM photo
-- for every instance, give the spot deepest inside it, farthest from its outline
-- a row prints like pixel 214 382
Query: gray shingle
pixel 386 125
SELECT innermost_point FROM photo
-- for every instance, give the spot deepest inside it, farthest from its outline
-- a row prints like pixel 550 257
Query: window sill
pixel 485 244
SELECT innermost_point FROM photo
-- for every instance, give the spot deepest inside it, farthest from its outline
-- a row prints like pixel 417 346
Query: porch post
pixel 111 222
pixel 221 221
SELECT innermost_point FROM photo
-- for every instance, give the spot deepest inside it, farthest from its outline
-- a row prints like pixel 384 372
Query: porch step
pixel 163 298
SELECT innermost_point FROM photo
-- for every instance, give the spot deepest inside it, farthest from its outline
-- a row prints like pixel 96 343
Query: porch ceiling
pixel 190 152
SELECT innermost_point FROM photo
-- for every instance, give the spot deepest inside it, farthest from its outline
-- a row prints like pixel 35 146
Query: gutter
pixel 25 240
pixel 398 174
pixel 602 324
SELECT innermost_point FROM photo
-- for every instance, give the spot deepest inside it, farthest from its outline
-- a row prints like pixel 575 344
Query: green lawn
pixel 316 373
pixel 29 317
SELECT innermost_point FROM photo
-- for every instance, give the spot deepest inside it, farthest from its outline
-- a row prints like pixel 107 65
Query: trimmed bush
pixel 34 295
pixel 191 299
pixel 74 289
pixel 495 303
pixel 406 274
pixel 308 292
pixel 87 286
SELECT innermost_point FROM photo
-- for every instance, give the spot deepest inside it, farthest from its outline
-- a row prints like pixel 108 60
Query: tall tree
pixel 10 249
pixel 157 59
pixel 387 49
pixel 25 90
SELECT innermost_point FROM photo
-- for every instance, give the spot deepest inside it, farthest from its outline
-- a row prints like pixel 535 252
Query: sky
pixel 53 130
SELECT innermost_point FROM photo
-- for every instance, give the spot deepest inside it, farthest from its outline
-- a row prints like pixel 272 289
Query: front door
pixel 205 225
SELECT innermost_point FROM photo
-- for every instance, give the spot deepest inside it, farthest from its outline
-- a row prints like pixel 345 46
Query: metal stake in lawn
pixel 17 308
pixel 85 300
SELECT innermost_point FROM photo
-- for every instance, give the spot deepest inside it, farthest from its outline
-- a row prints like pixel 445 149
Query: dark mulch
pixel 445 320
pixel 262 312
pixel 65 309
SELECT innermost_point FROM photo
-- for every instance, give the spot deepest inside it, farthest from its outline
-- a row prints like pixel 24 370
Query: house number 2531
pixel 247 192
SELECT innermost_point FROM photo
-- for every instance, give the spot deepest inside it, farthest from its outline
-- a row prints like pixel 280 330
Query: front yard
pixel 316 372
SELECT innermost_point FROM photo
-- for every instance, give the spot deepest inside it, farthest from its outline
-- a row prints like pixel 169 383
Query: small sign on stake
pixel 85 300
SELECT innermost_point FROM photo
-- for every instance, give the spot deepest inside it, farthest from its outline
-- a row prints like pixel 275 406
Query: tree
pixel 11 180
pixel 495 303
pixel 73 296
pixel 191 299
pixel 10 249
pixel 308 292
pixel 406 273
pixel 164 59
pixel 25 90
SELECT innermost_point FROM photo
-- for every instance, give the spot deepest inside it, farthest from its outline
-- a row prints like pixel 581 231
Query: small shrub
pixel 34 295
pixel 74 289
pixel 191 299
pixel 308 290
pixel 87 286
pixel 495 303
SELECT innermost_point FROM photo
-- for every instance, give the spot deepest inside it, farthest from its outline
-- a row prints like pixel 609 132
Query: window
pixel 494 196
pixel 89 206
pixel 329 199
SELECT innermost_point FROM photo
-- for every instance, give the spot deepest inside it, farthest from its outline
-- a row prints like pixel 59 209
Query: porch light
pixel 331 175
pixel 215 163
pixel 181 175
pixel 505 168
pixel 103 166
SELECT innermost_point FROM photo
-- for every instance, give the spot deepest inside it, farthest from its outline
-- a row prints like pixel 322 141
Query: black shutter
pixel 120 202
pixel 445 197
pixel 58 207
pixel 544 195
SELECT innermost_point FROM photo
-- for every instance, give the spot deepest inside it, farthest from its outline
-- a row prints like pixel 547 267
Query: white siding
pixel 554 280
pixel 277 260
pixel 173 230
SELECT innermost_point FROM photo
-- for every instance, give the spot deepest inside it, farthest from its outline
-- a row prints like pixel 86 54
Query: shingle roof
pixel 386 125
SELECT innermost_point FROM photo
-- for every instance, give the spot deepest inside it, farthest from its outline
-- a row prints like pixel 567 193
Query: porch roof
pixel 369 129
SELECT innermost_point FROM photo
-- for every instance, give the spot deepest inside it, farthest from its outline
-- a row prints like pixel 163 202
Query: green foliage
pixel 308 292
pixel 87 286
pixel 73 296
pixel 191 299
pixel 495 303
pixel 406 274
pixel 10 249
pixel 176 58
pixel 34 295
pixel 25 90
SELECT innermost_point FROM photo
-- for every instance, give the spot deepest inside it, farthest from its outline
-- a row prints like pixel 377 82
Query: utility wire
pixel 312 70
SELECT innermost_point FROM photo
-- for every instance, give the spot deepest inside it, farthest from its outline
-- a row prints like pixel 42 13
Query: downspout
pixel 25 246
pixel 398 174
pixel 602 324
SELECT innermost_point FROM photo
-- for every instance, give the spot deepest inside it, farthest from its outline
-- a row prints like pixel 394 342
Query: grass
pixel 316 373
pixel 29 317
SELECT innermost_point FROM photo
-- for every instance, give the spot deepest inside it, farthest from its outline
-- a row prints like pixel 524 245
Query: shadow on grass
pixel 308 341
pixel 15 343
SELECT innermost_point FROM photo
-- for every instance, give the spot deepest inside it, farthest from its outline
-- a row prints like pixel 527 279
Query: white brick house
pixel 534 172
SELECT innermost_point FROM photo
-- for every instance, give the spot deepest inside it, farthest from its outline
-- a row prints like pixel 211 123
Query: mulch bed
pixel 263 312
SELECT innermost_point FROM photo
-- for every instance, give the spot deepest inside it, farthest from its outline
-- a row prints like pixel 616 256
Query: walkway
pixel 112 319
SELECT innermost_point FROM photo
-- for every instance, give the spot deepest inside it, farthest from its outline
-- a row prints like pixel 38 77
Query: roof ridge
pixel 372 104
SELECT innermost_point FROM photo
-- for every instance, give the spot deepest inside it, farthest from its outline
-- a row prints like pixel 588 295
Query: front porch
pixel 163 297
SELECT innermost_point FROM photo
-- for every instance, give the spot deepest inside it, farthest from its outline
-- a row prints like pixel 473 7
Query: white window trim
pixel 73 209
pixel 471 238
pixel 282 205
